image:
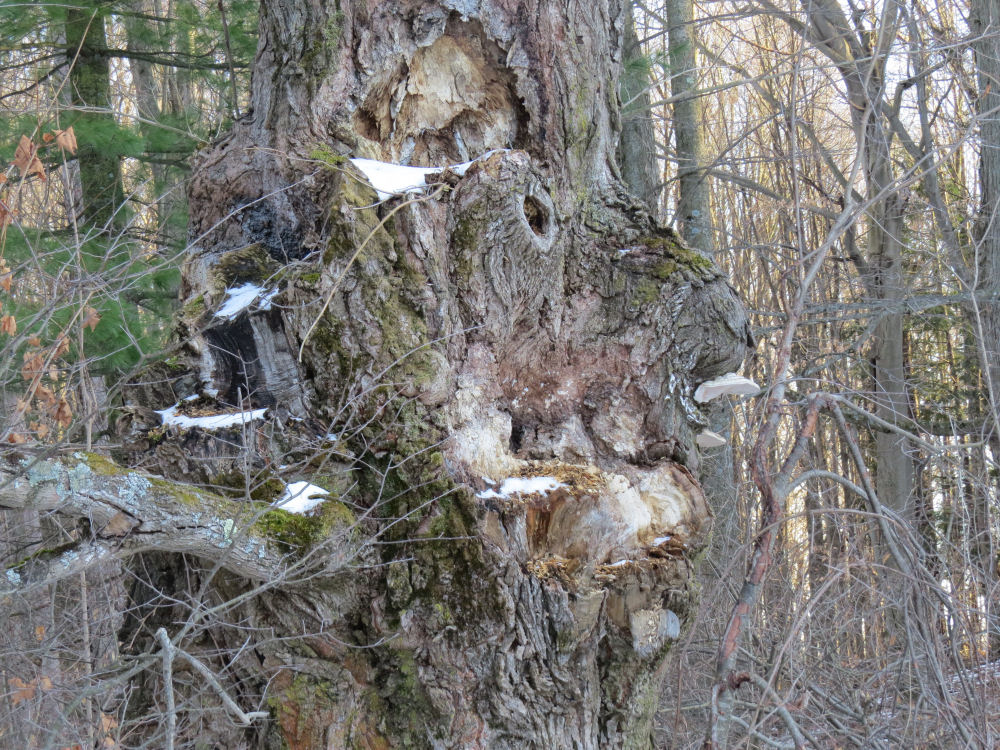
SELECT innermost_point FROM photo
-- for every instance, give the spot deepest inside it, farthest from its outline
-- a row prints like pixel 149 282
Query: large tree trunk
pixel 527 319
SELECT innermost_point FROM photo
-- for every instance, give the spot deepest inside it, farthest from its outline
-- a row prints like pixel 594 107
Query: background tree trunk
pixel 694 211
pixel 90 89
pixel 986 317
pixel 637 144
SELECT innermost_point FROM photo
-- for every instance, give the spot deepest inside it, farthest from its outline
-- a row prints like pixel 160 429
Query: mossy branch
pixel 128 512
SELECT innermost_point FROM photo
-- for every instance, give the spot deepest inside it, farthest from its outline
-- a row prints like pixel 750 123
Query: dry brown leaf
pixel 66 139
pixel 24 153
pixel 48 137
pixel 34 341
pixel 108 722
pixel 23 691
pixel 63 415
pixel 15 438
pixel 39 632
pixel 26 158
pixel 3 179
pixel 8 325
pixel 5 214
pixel 46 396
pixel 36 167
pixel 33 364
pixel 62 346
pixel 41 430
pixel 91 318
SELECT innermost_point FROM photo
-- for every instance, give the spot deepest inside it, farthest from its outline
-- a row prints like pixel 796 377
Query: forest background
pixel 840 161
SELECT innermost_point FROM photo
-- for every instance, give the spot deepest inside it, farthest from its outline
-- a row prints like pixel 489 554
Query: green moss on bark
pixel 250 264
pixel 297 533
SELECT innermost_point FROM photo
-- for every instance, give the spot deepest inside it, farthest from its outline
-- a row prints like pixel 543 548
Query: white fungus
pixel 709 439
pixel 395 179
pixel 720 386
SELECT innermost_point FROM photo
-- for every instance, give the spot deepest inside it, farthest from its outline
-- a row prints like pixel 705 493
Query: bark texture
pixel 527 319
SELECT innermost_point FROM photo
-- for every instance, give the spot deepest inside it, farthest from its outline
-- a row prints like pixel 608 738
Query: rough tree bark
pixel 525 319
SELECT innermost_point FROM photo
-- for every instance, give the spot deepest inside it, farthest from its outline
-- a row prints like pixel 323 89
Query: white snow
pixel 523 486
pixel 209 422
pixel 660 540
pixel 720 386
pixel 241 297
pixel 709 439
pixel 618 564
pixel 394 179
pixel 300 498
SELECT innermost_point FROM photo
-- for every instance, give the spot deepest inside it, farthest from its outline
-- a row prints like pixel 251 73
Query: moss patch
pixel 248 264
pixel 297 533
pixel 676 256
pixel 264 487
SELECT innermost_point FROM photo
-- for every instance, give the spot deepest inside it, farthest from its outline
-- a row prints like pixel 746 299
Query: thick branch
pixel 128 513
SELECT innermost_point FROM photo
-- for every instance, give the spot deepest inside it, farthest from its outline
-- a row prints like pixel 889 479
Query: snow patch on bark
pixel 523 486
pixel 300 498
pixel 169 416
pixel 241 297
pixel 396 179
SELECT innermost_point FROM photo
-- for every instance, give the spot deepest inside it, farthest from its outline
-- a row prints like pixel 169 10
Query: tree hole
pixel 536 215
pixel 516 437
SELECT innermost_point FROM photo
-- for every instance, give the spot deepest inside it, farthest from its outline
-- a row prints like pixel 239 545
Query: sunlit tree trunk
pixel 693 195
pixel 861 58
pixel 985 28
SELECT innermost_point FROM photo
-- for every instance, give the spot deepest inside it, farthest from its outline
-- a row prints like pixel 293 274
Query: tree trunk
pixel 523 319
pixel 985 25
pixel 862 67
pixel 637 144
pixel 694 213
pixel 90 89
